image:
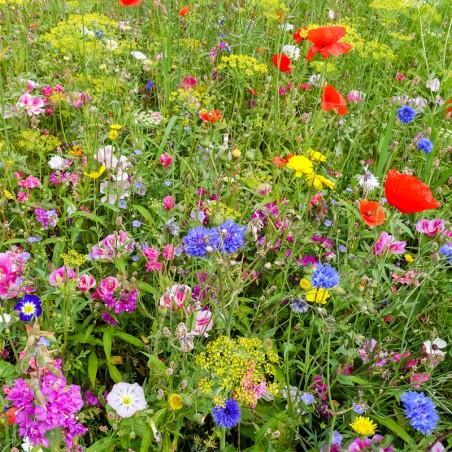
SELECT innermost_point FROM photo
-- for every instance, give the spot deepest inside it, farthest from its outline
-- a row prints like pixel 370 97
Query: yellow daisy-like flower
pixel 175 402
pixel 96 174
pixel 318 295
pixel 300 164
pixel 115 126
pixel 409 258
pixel 305 284
pixel 363 426
pixel 318 181
pixel 113 134
pixel 315 155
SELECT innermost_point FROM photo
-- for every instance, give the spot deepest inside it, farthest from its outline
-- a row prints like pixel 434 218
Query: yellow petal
pixel 96 174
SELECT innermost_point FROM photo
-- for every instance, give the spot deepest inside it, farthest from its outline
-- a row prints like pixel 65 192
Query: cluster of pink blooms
pixel 45 405
pixel 114 245
pixel 65 274
pixel 410 277
pixel 152 255
pixel 12 268
pixel 254 391
pixel 388 244
pixel 119 296
pixel 59 177
pixel 29 182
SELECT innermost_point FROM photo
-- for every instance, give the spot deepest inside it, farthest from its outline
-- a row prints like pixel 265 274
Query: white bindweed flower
pixel 56 162
pixel 126 399
pixel 5 318
pixel 368 181
pixel 433 348
pixel 138 55
pixel 28 447
pixel 293 52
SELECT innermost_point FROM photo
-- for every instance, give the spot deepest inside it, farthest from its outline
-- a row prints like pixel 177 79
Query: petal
pixel 326 35
pixel 440 343
pixel 312 52
pixel 339 48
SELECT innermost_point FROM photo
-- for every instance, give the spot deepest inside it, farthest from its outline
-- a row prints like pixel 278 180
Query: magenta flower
pixel 204 321
pixel 431 227
pixel 355 96
pixel 188 82
pixel 360 444
pixel 166 160
pixel 174 298
pixel 387 243
pixel 86 282
pixel 61 276
pixel 31 104
pixel 168 202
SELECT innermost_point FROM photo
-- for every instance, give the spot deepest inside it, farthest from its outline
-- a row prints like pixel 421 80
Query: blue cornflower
pixel 424 144
pixel 198 239
pixel 136 223
pixel 325 277
pixel 406 114
pixel 228 415
pixel 342 249
pixel 29 306
pixel 150 84
pixel 307 398
pixel 122 204
pixel 446 250
pixel 420 410
pixel 299 305
pixel 99 34
pixel 232 236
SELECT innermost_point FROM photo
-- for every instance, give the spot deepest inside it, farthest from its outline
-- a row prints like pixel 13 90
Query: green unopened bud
pixel 217 219
pixel 132 435
pixel 337 290
pixel 162 309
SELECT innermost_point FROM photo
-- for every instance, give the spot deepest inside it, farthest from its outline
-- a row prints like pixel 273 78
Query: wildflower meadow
pixel 225 225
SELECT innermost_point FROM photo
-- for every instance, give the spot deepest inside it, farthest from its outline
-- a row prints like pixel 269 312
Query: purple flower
pixel 307 398
pixel 136 223
pixel 431 227
pixel 198 239
pixel 29 306
pixel 227 415
pixel 106 317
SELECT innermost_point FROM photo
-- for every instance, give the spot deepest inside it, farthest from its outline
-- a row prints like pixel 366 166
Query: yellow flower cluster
pixel 303 165
pixel 226 211
pixel 254 180
pixel 101 84
pixel 229 361
pixel 190 43
pixel 4 2
pixel 73 259
pixel 271 9
pixel 35 142
pixel 190 99
pixel 243 64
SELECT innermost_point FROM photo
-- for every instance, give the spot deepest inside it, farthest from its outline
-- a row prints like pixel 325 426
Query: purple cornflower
pixel 232 236
pixel 299 305
pixel 227 415
pixel 198 239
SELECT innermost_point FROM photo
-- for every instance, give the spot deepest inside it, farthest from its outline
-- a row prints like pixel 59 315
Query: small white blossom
pixel 111 45
pixel 433 85
pixel 293 52
pixel 5 318
pixel 126 399
pixel 56 162
pixel 368 181
pixel 138 55
pixel 433 348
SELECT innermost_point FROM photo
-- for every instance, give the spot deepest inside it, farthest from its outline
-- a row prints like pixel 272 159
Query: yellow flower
pixel 318 181
pixel 318 295
pixel 305 284
pixel 315 155
pixel 300 164
pixel 8 194
pixel 175 401
pixel 96 174
pixel 115 126
pixel 113 134
pixel 363 426
pixel 409 258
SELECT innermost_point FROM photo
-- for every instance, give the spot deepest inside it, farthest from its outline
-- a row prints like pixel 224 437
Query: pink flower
pixel 61 276
pixel 264 189
pixel 152 254
pixel 9 273
pixel 254 391
pixel 204 320
pixel 46 90
pixel 174 298
pixel 387 243
pixel 166 160
pixel 431 227
pixel 86 282
pixel 108 286
pixel 22 196
pixel 32 104
pixel 359 444
pixel 168 202
pixel 30 182
pixel 400 76
pixel 106 157
pixel 168 253
pixel 419 379
pixel 30 85
pixel 355 96
pixel 188 82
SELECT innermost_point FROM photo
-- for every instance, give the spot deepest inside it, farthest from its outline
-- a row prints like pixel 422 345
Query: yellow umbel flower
pixel 73 259
pixel 318 181
pixel 363 426
pixel 300 164
pixel 175 402
pixel 318 295
pixel 305 284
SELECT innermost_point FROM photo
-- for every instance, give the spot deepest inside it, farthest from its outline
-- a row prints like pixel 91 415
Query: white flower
pixel 330 14
pixel 293 52
pixel 56 162
pixel 88 32
pixel 5 318
pixel 433 85
pixel 286 27
pixel 433 348
pixel 27 446
pixel 126 399
pixel 111 45
pixel 368 181
pixel 138 55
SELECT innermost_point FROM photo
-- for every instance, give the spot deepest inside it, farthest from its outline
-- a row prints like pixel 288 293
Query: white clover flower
pixel 56 162
pixel 126 399
pixel 293 52
pixel 433 348
pixel 368 181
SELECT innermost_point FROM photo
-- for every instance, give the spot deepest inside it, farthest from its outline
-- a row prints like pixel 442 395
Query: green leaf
pixel 358 380
pixel 114 373
pixel 394 427
pixel 120 264
pixel 81 338
pixel 168 131
pixel 102 444
pixel 157 363
pixel 92 367
pixel 129 338
pixel 345 380
pixel 147 440
pixel 146 287
pixel 89 330
pixel 107 340
pixel 384 144
pixel 88 215
pixel 145 212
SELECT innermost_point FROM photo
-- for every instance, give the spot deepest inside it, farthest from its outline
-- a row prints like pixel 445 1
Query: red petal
pixel 312 52
pixel 339 48
pixel 326 35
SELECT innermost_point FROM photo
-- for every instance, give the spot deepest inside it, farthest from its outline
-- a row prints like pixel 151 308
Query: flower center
pixel 368 213
pixel 28 309
pixel 126 400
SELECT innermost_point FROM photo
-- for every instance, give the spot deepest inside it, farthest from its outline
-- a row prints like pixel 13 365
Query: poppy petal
pixel 339 48
pixel 372 213
pixel 326 35
pixel 312 51
pixel 408 194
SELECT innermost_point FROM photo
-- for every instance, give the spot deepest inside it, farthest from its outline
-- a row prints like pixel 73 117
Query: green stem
pixel 223 439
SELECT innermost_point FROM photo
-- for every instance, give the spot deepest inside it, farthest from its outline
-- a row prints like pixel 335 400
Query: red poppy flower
pixel 408 194
pixel 282 62
pixel 297 36
pixel 11 415
pixel 372 213
pixel 185 10
pixel 325 40
pixel 331 99
pixel 279 162
pixel 211 116
pixel 289 156
pixel 130 2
